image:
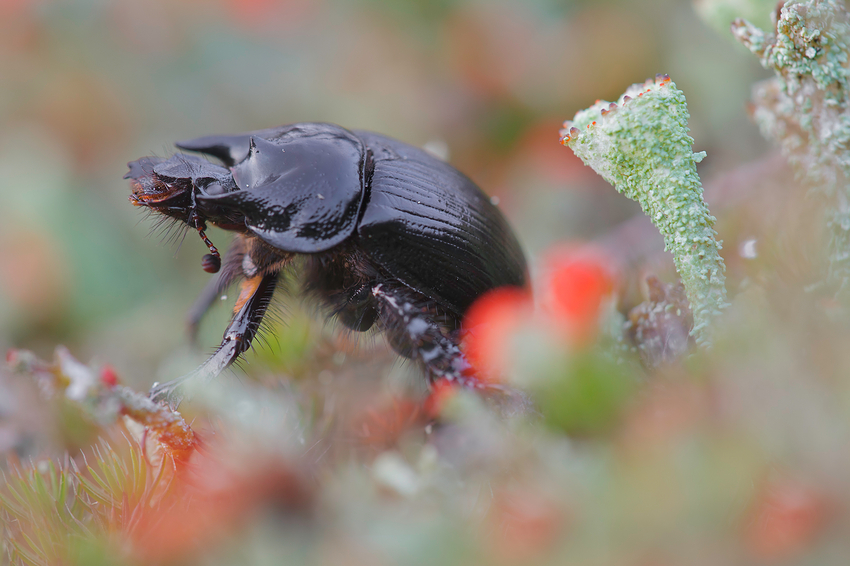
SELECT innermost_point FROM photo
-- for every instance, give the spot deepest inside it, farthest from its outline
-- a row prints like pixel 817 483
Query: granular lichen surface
pixel 640 144
pixel 805 109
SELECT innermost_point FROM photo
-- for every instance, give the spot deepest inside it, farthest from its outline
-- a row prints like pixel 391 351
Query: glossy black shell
pixel 308 187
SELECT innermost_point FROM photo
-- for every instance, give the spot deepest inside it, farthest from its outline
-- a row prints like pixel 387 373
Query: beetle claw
pixel 167 393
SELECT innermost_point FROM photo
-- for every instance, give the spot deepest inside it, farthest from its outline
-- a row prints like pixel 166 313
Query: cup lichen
pixel 640 144
pixel 805 109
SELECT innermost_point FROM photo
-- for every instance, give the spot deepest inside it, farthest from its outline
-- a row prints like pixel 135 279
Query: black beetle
pixel 393 237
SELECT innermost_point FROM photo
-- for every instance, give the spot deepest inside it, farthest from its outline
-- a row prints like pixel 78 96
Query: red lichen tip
pixel 611 108
pixel 569 135
pixel 626 99
pixel 662 79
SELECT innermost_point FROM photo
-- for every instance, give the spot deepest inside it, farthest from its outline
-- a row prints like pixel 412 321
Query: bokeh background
pixel 734 456
pixel 88 85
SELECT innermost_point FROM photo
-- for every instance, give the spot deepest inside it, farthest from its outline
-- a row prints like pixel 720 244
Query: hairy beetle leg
pixel 254 297
pixel 211 293
pixel 414 333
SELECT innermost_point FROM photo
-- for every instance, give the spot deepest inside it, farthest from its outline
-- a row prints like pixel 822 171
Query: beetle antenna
pixel 212 261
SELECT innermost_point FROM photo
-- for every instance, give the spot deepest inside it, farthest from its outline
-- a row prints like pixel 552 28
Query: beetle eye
pixel 214 188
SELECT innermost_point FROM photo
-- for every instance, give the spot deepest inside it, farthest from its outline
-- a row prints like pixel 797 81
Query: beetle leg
pixel 202 304
pixel 414 332
pixel 231 269
pixel 340 284
pixel 254 296
pixel 358 313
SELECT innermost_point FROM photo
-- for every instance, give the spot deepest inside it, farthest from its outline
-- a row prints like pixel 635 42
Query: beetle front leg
pixel 414 332
pixel 254 297
pixel 212 291
pixel 231 269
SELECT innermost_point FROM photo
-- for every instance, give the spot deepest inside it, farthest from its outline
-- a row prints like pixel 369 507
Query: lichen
pixel 640 144
pixel 106 404
pixel 805 109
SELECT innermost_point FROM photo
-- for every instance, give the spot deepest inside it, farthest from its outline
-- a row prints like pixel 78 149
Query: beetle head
pixel 171 186
pixel 298 188
pixel 174 186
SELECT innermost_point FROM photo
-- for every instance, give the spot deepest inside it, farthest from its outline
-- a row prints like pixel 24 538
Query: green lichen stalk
pixel 805 109
pixel 640 144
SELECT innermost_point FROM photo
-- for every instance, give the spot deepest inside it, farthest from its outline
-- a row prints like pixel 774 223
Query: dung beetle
pixel 391 236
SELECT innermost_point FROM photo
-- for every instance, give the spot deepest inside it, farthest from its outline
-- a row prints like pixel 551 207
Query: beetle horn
pixel 142 167
pixel 229 149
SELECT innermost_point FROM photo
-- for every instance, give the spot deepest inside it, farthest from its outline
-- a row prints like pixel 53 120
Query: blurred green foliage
pixel 587 393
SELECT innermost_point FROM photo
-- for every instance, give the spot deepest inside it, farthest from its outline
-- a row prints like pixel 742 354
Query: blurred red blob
pixel 492 49
pixel 220 492
pixel 785 519
pixel 664 412
pixel 381 427
pixel 33 272
pixel 575 283
pixel 524 526
pixel 108 376
pixel 272 14
pixel 441 392
pixel 17 8
pixel 490 322
pixel 538 153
